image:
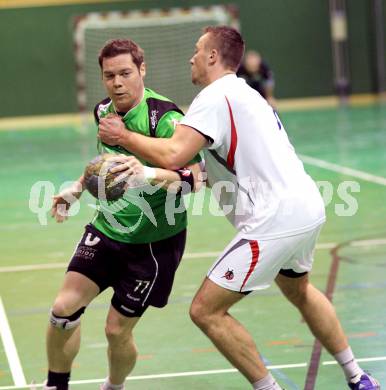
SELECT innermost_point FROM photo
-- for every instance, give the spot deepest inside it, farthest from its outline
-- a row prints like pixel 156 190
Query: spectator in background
pixel 258 75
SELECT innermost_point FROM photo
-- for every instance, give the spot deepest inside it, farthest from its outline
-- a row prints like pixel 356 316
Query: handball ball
pixel 99 181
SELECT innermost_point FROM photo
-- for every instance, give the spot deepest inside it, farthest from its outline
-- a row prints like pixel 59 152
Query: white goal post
pixel 167 37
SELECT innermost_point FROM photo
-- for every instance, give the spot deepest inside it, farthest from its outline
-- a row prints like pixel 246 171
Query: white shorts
pixel 247 265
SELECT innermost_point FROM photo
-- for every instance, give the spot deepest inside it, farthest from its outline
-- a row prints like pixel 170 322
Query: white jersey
pixel 252 167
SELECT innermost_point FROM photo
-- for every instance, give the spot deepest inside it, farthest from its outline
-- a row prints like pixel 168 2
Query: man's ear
pixel 142 69
pixel 213 56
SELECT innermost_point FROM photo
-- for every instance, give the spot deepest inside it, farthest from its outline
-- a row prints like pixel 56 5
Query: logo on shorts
pixel 89 241
pixel 127 309
pixel 85 252
pixel 133 298
pixel 185 172
pixel 229 275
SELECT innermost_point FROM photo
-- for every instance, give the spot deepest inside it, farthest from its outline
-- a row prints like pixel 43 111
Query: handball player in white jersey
pixel 264 191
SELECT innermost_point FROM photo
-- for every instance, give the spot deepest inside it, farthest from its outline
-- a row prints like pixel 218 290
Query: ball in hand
pixel 100 181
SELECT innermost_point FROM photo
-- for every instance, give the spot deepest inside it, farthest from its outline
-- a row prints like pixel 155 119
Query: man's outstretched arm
pixel 170 153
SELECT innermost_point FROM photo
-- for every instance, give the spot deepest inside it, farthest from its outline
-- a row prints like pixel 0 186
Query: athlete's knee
pixel 66 319
pixel 67 303
pixel 119 336
pixel 117 332
pixel 113 330
pixel 200 314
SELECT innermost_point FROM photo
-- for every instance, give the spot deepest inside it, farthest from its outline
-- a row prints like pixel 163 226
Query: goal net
pixel 167 37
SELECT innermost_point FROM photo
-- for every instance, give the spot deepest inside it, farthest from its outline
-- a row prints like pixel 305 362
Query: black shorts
pixel 140 274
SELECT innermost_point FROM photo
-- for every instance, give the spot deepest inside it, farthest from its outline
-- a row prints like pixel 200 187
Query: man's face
pixel 252 62
pixel 123 81
pixel 199 61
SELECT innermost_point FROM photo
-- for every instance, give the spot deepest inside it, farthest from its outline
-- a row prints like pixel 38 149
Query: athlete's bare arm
pixel 170 153
pixel 132 169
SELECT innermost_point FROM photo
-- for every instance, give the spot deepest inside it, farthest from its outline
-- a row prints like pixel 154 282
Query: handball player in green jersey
pixel 133 245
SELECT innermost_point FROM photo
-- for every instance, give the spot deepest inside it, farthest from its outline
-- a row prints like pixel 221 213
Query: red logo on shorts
pixel 185 172
pixel 229 275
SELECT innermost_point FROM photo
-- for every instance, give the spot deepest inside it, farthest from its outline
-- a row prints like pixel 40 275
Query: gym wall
pixel 37 58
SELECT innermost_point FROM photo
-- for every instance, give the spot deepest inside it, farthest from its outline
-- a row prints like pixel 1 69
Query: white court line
pixel 197 255
pixel 159 376
pixel 201 255
pixel 375 242
pixel 10 349
pixel 189 373
pixel 344 170
pixel 374 359
pixel 326 245
pixel 32 267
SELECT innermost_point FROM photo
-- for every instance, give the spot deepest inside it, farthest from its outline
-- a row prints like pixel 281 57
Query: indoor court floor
pixel 343 149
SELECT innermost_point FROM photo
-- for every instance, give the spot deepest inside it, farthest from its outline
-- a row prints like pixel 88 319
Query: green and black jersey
pixel 144 215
